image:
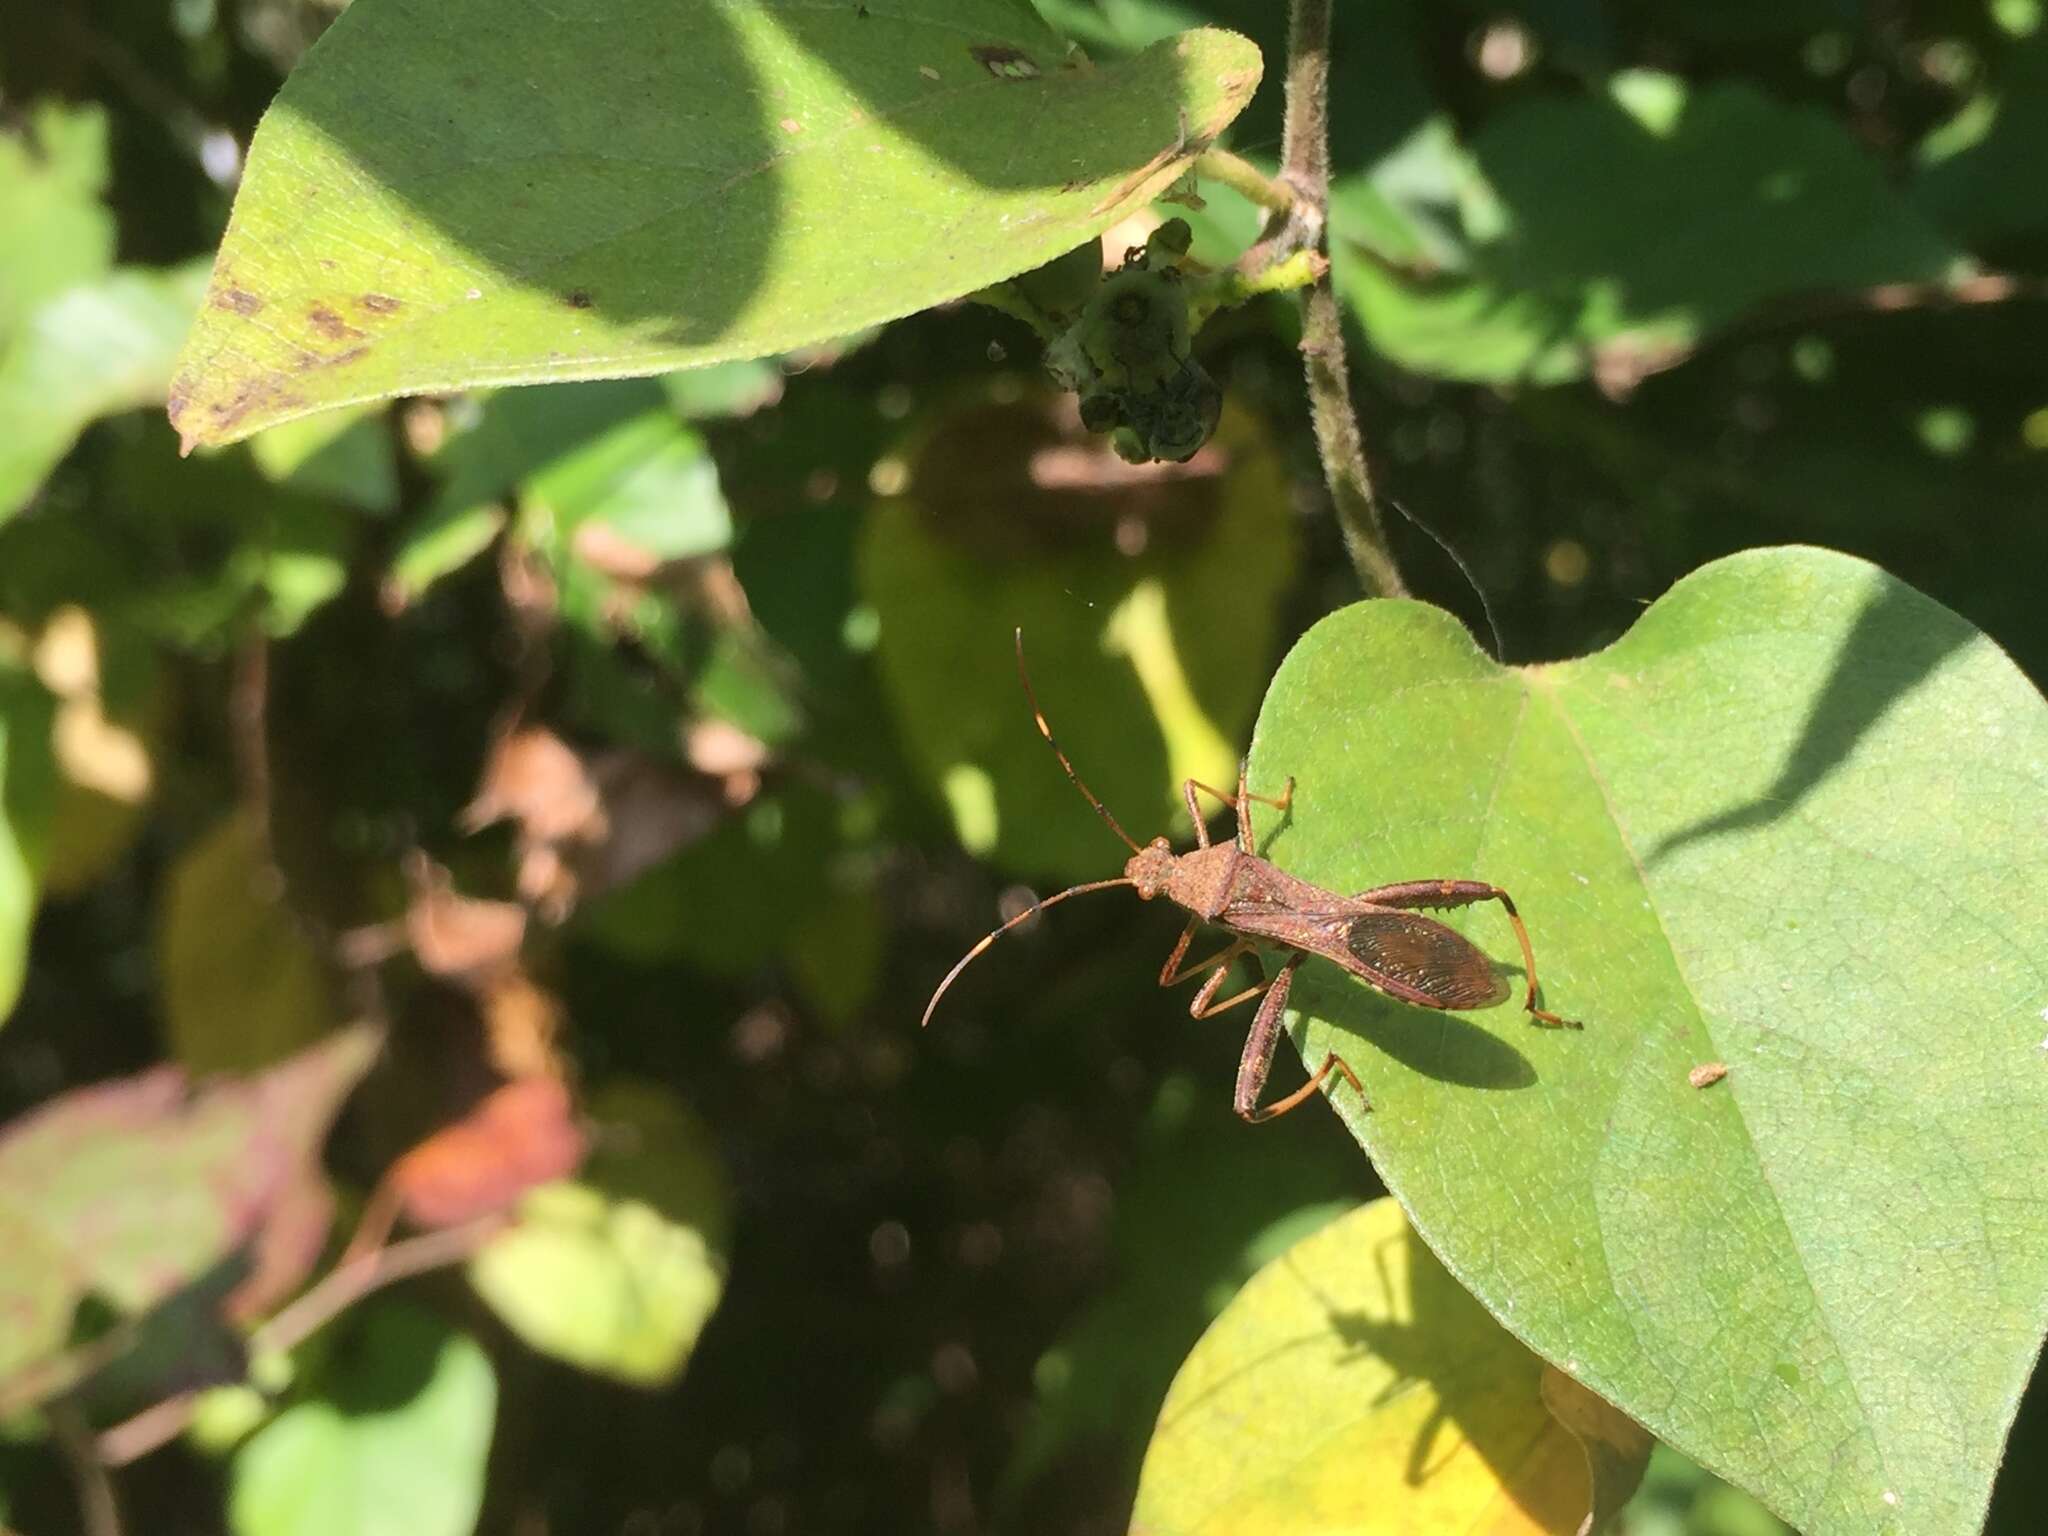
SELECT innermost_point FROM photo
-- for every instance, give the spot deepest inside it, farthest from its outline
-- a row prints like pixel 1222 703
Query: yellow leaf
pixel 1353 1386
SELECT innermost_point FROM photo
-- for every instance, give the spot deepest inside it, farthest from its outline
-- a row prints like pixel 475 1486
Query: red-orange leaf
pixel 521 1136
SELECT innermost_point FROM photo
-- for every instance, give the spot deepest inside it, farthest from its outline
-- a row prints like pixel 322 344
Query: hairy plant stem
pixel 1305 173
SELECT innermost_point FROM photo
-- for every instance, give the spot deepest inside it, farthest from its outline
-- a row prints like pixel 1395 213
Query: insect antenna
pixel 1035 907
pixel 1038 715
pixel 1444 544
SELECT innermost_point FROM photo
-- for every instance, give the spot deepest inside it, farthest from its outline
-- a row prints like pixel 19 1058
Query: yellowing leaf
pixel 1354 1386
pixel 130 1189
pixel 103 739
pixel 1147 596
pixel 241 986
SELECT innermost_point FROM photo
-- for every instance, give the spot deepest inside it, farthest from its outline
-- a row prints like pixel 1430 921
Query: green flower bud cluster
pixel 1127 348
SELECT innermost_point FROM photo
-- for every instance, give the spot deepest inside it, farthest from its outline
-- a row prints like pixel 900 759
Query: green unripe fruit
pixel 1099 413
pixel 1061 288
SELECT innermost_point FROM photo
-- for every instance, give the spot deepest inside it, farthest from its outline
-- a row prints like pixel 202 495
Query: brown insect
pixel 1375 935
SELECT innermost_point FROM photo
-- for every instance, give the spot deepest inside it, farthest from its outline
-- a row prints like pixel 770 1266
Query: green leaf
pixel 1353 1385
pixel 346 455
pixel 648 486
pixel 101 347
pixel 1752 200
pixel 1791 823
pixel 185 552
pixel 730 902
pixel 1977 169
pixel 28 795
pixel 54 231
pixel 241 985
pixel 619 1270
pixel 1681 1498
pixel 495 442
pixel 395 1445
pixel 683 184
pixel 440 542
pixel 130 1189
pixel 738 388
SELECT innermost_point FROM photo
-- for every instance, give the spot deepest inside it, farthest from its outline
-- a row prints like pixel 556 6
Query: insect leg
pixel 1257 1060
pixel 1173 972
pixel 1462 893
pixel 1202 1007
pixel 1240 803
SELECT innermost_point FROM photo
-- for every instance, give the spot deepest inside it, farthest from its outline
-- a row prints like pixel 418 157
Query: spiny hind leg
pixel 1257 1062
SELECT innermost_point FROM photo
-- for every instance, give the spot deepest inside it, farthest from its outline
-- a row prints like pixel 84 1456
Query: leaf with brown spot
pixel 331 325
pixel 551 227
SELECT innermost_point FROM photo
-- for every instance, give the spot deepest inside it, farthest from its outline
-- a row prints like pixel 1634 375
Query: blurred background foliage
pixel 662 737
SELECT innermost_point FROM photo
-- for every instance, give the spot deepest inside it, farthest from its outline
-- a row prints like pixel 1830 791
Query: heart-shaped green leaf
pixel 455 194
pixel 1794 823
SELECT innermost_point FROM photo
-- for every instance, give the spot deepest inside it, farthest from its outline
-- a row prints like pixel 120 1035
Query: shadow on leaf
pixel 1896 643
pixel 1446 1046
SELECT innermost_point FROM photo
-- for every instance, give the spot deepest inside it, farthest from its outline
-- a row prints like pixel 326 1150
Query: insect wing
pixel 1426 962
